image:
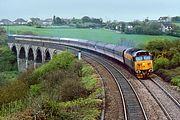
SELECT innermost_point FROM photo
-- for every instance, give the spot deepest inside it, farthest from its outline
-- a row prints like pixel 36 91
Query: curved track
pixel 133 109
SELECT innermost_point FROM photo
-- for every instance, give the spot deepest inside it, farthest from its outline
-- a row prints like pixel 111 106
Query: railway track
pixel 167 93
pixel 132 106
pixel 168 104
pixel 133 109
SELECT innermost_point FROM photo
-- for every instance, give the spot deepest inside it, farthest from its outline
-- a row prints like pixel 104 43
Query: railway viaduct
pixel 31 54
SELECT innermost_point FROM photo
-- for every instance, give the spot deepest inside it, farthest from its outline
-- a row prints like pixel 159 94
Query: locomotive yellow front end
pixel 143 65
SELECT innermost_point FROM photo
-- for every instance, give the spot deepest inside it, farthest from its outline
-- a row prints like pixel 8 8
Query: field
pixel 178 24
pixel 102 35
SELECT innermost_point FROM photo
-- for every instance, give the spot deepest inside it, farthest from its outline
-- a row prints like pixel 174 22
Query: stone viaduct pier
pixel 32 53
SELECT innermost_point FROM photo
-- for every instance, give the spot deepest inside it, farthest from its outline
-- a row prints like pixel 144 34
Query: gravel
pixel 168 104
pixel 168 87
pixel 113 101
pixel 152 109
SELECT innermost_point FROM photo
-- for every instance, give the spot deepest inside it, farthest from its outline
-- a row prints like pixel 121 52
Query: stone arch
pixel 54 52
pixel 14 50
pixel 30 54
pixel 47 55
pixel 38 55
pixel 22 53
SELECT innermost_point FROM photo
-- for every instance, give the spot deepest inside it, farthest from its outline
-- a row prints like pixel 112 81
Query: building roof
pixel 5 21
pixel 167 24
pixel 48 20
pixel 19 20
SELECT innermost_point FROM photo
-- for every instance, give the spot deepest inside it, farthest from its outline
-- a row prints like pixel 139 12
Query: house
pixel 5 22
pixel 48 21
pixel 166 27
pixel 34 21
pixel 20 21
pixel 164 19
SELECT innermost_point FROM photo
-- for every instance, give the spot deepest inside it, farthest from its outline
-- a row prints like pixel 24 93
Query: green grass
pixel 176 81
pixel 103 35
pixel 178 24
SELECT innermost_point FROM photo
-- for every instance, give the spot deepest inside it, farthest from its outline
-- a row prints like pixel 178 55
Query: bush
pixel 176 81
pixel 62 90
pixel 61 61
pixel 52 83
pixel 7 76
pixel 76 68
pixel 175 61
pixel 79 109
pixel 89 82
pixel 35 89
pixel 72 89
pixel 14 91
pixel 87 70
pixel 25 77
pixel 161 63
pixel 7 60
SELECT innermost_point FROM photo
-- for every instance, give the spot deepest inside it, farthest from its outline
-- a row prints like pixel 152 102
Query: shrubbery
pixel 14 91
pixel 166 58
pixel 63 88
pixel 72 89
pixel 176 81
pixel 7 60
pixel 161 63
pixel 8 64
pixel 61 61
pixel 166 53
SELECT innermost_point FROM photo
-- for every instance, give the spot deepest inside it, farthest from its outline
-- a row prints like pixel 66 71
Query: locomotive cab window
pixel 147 58
pixel 139 58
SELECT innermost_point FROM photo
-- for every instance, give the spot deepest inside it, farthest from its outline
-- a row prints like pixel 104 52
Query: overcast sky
pixel 121 10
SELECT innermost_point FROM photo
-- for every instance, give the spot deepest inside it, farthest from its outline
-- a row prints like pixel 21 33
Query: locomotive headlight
pixel 138 71
pixel 150 70
pixel 138 65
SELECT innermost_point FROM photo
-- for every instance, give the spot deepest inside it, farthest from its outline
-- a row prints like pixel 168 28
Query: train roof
pixel 91 42
pixel 31 36
pixel 134 51
pixel 72 39
pixel 120 48
pixel 110 46
pixel 100 44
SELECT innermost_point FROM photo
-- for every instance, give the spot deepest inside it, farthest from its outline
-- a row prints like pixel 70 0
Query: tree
pixel 138 29
pixel 176 19
pixel 58 20
pixel 96 20
pixel 154 28
pixel 86 19
pixel 2 31
pixel 7 60
pixel 123 27
pixel 54 20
